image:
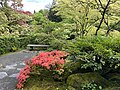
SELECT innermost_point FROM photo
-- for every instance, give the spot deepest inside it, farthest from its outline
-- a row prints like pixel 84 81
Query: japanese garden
pixel 75 45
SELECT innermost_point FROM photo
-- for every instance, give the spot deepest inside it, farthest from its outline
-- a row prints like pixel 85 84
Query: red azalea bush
pixel 24 12
pixel 23 75
pixel 51 61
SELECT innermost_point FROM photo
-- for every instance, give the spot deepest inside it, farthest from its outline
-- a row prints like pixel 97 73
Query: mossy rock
pixel 112 88
pixel 76 80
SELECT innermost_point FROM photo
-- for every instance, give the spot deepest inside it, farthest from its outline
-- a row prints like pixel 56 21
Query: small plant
pixel 91 86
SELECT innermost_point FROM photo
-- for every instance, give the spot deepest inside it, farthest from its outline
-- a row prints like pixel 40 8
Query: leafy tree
pixel 12 19
pixel 83 15
pixel 106 9
pixel 52 13
pixel 80 13
pixel 15 3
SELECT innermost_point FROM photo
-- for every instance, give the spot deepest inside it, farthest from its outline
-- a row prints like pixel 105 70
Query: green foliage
pixel 52 17
pixel 40 17
pixel 10 22
pixel 96 53
pixel 23 41
pixel 91 86
pixel 8 44
pixel 40 38
pixel 57 44
pixel 12 43
pixel 80 14
pixel 84 14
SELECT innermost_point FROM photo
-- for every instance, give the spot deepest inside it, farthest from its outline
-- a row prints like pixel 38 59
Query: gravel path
pixel 10 66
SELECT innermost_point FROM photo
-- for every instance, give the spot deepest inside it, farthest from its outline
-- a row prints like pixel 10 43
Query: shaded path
pixel 11 64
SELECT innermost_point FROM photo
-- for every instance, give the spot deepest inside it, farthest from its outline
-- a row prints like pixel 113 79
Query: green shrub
pixel 40 38
pixel 23 41
pixel 8 44
pixel 98 53
pixel 12 43
pixel 57 44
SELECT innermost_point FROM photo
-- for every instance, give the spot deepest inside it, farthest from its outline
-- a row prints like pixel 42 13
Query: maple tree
pixel 84 15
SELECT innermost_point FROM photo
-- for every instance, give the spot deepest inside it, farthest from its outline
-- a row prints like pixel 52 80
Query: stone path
pixel 10 66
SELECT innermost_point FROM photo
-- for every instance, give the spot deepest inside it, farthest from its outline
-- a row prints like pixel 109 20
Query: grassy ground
pixel 36 83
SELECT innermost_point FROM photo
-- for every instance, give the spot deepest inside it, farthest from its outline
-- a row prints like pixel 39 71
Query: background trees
pixel 105 8
pixel 78 17
pixel 84 14
pixel 12 19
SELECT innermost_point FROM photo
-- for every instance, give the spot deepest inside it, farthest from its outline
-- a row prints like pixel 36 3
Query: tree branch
pixel 101 4
pixel 103 15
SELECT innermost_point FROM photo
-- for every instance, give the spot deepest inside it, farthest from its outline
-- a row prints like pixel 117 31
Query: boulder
pixel 76 80
pixel 112 88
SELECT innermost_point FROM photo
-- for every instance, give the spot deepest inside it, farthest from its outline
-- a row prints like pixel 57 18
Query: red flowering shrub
pixel 24 12
pixel 49 59
pixel 52 62
pixel 23 75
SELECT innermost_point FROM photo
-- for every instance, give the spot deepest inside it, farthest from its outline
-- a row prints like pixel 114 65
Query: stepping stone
pixel 14 65
pixel 19 69
pixel 8 67
pixel 14 75
pixel 3 74
pixel 1 65
pixel 22 63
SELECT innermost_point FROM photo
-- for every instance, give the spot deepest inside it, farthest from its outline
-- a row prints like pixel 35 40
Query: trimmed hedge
pixel 12 43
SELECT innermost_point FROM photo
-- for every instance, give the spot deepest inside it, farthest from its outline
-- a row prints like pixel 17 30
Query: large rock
pixel 76 80
pixel 112 88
